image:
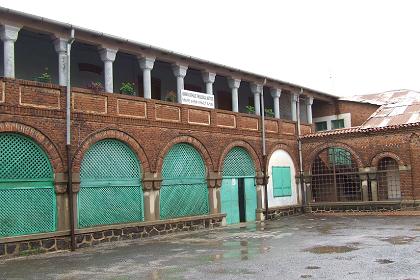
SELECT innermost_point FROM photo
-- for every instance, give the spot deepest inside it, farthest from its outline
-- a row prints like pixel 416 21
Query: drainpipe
pixel 68 146
pixel 264 165
pixel 302 184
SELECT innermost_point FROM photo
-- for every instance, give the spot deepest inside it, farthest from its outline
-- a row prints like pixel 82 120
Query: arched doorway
pixel 184 188
pixel 335 176
pixel 110 185
pixel 238 194
pixel 27 197
pixel 388 176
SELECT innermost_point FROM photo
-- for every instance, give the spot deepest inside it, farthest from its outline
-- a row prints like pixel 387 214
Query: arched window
pixel 335 176
pixel 388 177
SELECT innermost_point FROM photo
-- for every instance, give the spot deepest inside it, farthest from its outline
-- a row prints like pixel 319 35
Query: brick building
pixel 134 163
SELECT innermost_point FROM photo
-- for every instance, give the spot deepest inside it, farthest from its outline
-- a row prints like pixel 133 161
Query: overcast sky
pixel 339 47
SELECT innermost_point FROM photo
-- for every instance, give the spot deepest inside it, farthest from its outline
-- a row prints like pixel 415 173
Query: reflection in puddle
pixel 384 261
pixel 312 267
pixel 330 249
pixel 398 240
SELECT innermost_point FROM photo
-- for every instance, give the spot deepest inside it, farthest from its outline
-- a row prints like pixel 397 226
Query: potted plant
pixel 96 87
pixel 127 88
pixel 171 96
pixel 269 112
pixel 44 77
pixel 250 109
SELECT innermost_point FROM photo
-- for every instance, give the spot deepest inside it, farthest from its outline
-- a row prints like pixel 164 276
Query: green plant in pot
pixel 269 112
pixel 44 77
pixel 127 88
pixel 171 96
pixel 250 109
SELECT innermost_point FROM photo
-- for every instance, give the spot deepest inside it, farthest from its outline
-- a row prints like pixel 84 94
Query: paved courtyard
pixel 302 247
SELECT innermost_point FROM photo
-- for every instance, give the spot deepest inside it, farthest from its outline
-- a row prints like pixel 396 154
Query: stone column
pixel 373 185
pixel 9 35
pixel 257 89
pixel 180 71
pixel 60 46
pixel 108 57
pixel 276 93
pixel 293 102
pixel 260 196
pixel 309 102
pixel 62 202
pixel 146 64
pixel 234 86
pixel 208 78
pixel 365 187
pixel 214 183
pixel 151 188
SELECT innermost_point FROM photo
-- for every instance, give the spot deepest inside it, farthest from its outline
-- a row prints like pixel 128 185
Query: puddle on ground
pixel 325 229
pixel 306 276
pixel 384 261
pixel 312 267
pixel 330 249
pixel 398 240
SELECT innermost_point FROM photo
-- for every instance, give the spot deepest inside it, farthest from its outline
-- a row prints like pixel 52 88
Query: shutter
pixel 229 198
pixel 27 197
pixel 251 199
pixel 184 188
pixel 238 163
pixel 110 186
pixel 282 183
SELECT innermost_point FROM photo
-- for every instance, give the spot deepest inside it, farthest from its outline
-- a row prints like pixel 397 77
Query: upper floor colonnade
pixel 146 63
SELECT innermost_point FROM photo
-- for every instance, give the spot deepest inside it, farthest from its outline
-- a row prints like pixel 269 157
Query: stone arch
pixel 378 157
pixel 247 147
pixel 189 140
pixel 110 134
pixel 286 148
pixel 307 163
pixel 41 139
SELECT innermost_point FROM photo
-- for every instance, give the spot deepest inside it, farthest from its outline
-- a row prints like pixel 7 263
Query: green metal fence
pixel 110 186
pixel 27 197
pixel 184 187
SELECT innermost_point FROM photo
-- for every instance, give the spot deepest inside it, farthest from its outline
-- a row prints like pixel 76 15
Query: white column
pixel 108 57
pixel 180 71
pixel 208 78
pixel 276 93
pixel 234 86
pixel 309 102
pixel 60 46
pixel 293 100
pixel 146 64
pixel 9 35
pixel 257 89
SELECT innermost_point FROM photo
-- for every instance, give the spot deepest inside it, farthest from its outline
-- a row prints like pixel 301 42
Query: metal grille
pixel 238 163
pixel 335 177
pixel 388 177
pixel 184 188
pixel 27 198
pixel 110 187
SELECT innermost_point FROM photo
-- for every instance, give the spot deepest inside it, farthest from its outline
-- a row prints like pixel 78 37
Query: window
pixel 282 184
pixel 321 126
pixel 339 156
pixel 336 124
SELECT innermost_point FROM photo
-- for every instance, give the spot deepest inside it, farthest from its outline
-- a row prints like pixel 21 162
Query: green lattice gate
pixel 184 188
pixel 238 164
pixel 27 197
pixel 110 185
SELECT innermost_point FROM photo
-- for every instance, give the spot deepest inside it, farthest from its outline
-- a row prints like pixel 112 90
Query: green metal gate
pixel 238 164
pixel 184 187
pixel 27 197
pixel 110 185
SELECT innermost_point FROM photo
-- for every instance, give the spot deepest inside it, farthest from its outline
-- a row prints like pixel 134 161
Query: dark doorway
pixel 241 198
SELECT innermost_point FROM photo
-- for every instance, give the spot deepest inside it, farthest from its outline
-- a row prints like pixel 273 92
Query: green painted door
pixel 238 164
pixel 184 188
pixel 27 197
pixel 230 200
pixel 110 185
pixel 251 199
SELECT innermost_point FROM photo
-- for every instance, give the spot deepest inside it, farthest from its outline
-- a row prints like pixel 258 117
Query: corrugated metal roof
pixel 394 96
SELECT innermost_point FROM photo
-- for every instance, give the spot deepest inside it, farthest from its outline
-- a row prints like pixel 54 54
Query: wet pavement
pixel 302 247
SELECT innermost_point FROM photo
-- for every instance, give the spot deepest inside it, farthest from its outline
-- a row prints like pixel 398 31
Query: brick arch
pixel 40 139
pixel 286 148
pixel 378 157
pixel 189 140
pixel 415 139
pixel 247 147
pixel 110 134
pixel 309 160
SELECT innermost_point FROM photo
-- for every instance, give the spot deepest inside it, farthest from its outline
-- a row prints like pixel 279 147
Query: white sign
pixel 195 98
